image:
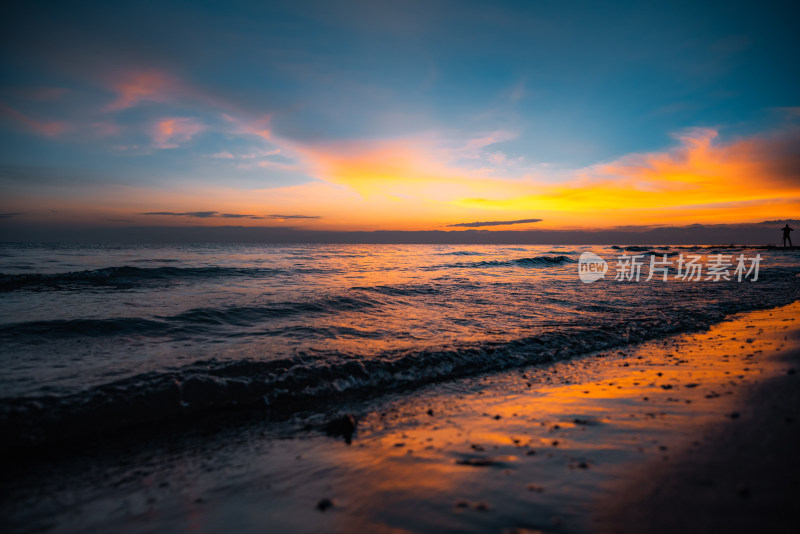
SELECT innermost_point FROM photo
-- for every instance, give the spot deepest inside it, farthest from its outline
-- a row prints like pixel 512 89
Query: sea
pixel 98 338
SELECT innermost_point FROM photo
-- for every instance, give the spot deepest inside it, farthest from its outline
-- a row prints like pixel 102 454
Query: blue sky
pixel 167 98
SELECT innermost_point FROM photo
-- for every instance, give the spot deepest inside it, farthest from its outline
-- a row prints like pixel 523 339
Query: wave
pixel 536 261
pixel 309 379
pixel 402 290
pixel 544 260
pixel 194 321
pixel 634 248
pixel 123 277
pixel 301 381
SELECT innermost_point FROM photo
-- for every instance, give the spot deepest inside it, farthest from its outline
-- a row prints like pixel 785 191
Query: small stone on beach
pixel 324 504
pixel 344 426
pixel 476 462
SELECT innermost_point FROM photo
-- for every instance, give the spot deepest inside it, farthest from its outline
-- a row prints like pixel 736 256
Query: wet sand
pixel 696 432
pixel 741 475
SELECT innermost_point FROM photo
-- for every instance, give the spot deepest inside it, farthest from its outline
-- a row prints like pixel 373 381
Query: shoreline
pixel 125 409
pixel 539 448
pixel 742 475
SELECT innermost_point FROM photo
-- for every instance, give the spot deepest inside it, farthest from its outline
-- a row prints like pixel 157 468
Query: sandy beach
pixel 741 474
pixel 695 432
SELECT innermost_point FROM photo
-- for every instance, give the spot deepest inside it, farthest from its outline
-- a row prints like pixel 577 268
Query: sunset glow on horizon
pixel 426 116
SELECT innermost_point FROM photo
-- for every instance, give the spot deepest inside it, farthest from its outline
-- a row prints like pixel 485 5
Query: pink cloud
pixel 171 132
pixel 257 154
pixel 135 87
pixel 474 145
pixel 44 128
pixel 258 127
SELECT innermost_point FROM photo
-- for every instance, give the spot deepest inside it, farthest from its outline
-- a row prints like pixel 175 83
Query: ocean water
pixel 102 336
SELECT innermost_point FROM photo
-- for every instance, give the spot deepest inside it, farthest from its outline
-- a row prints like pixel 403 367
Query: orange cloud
pixel 399 169
pixel 413 185
pixel 701 180
pixel 169 133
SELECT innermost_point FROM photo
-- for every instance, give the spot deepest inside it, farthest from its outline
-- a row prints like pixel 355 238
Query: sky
pixel 364 116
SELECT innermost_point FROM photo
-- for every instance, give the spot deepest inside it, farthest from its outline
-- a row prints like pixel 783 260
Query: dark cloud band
pixel 492 223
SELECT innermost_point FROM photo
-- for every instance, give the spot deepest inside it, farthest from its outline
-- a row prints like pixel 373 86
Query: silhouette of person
pixel 786 237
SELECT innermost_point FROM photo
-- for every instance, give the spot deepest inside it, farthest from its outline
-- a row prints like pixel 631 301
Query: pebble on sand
pixel 344 426
pixel 324 504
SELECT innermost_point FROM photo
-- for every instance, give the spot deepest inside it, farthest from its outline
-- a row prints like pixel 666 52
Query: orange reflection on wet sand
pixel 526 449
pixel 551 437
